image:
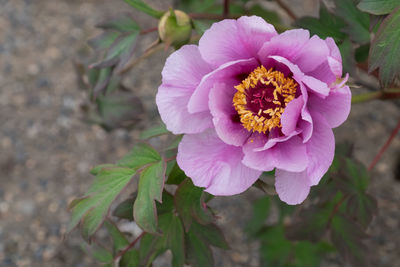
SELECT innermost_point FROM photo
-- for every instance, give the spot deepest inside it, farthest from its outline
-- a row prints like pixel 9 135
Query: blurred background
pixel 47 146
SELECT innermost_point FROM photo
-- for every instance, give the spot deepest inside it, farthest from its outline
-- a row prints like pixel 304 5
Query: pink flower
pixel 248 100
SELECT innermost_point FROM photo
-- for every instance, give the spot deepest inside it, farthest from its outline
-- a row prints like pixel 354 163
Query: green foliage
pixel 357 21
pixel 145 8
pixel 260 213
pixel 378 7
pixel 141 155
pixel 151 185
pixel 327 25
pixel 125 209
pixel 189 204
pixel 385 49
pixel 154 132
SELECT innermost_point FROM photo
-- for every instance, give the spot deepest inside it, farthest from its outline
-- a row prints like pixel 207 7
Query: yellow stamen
pixel 264 120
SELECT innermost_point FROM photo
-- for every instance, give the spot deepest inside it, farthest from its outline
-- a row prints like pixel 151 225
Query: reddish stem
pixel 336 209
pixel 287 9
pixel 149 30
pixel 131 245
pixel 384 147
pixel 226 8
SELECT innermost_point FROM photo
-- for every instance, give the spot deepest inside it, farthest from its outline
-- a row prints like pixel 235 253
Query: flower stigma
pixel 262 97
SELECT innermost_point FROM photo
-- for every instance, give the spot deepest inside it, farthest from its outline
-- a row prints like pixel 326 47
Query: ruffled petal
pixel 316 85
pixel 292 187
pixel 212 164
pixel 314 53
pixel 182 73
pixel 320 149
pixel 335 108
pixel 289 155
pixel 225 117
pixel 291 115
pixel 172 106
pixel 231 40
pixel 227 72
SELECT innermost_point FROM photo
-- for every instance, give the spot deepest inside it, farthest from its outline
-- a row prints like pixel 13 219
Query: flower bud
pixel 175 28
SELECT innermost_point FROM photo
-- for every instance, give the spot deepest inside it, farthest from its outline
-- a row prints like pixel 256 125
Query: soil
pixel 47 148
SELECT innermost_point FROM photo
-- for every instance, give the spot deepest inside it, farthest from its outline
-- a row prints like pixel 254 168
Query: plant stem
pixel 149 30
pixel 288 11
pixel 384 147
pixel 212 16
pixel 336 209
pixel 131 245
pixel 383 95
pixel 226 8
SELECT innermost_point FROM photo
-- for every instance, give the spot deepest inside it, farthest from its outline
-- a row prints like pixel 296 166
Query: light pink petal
pixel 171 103
pixel 289 155
pixel 335 59
pixel 335 108
pixel 185 68
pixel 227 72
pixel 182 73
pixel 324 73
pixel 231 40
pixel 314 53
pixel 287 44
pixel 291 115
pixel 316 85
pixel 212 164
pixel 225 117
pixel 320 149
pixel 292 187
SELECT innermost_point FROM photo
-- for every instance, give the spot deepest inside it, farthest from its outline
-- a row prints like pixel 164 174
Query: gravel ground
pixel 47 149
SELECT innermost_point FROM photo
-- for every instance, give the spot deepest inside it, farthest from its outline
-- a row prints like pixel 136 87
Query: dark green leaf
pixel 130 259
pixel 176 176
pixel 103 40
pixel 347 238
pixel 260 214
pixel 362 208
pixel 357 21
pixel 141 6
pixel 347 52
pixel 361 53
pixel 93 208
pixel 327 25
pixel 378 7
pixel 119 240
pixel 150 188
pixel 172 238
pixel 200 26
pixel 125 209
pixel 167 204
pixel 100 167
pixel 142 154
pixel 309 254
pixel 275 249
pixel 197 5
pixel 210 234
pixel 101 254
pixel 189 204
pixel 385 49
pixel 153 132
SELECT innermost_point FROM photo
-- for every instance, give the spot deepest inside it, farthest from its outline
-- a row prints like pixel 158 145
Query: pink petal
pixel 312 55
pixel 287 44
pixel 316 85
pixel 231 40
pixel 181 75
pixel 289 155
pixel 212 164
pixel 223 112
pixel 171 103
pixel 291 115
pixel 227 72
pixel 292 187
pixel 335 108
pixel 320 149
pixel 335 57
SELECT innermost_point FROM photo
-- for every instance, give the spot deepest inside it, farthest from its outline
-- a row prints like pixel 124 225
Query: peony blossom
pixel 249 100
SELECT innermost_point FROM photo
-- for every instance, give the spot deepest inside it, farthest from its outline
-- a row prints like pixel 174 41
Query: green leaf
pixel 103 40
pixel 357 21
pixel 167 205
pixel 327 25
pixel 347 52
pixel 260 213
pixel 362 208
pixel 361 53
pixel 385 49
pixel 200 26
pixel 347 237
pixel 100 167
pixel 141 155
pixel 154 132
pixel 125 209
pixel 198 241
pixel 123 24
pixel 141 6
pixel 93 208
pixel 176 175
pixel 378 7
pixel 197 5
pixel 101 254
pixel 172 238
pixel 189 204
pixel 150 188
pixel 275 249
pixel 309 254
pixel 130 259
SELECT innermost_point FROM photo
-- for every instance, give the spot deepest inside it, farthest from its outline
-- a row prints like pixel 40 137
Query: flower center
pixel 262 97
